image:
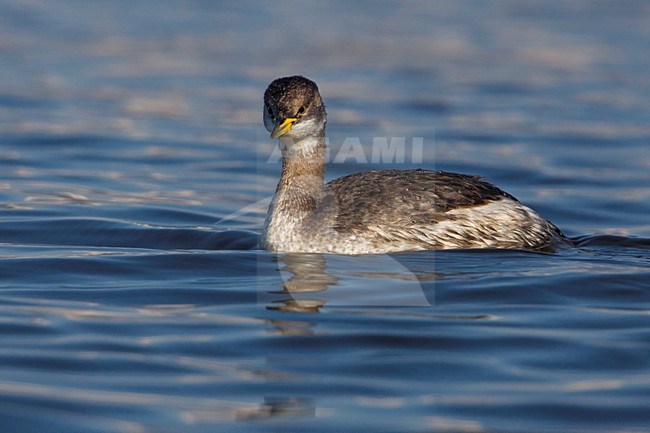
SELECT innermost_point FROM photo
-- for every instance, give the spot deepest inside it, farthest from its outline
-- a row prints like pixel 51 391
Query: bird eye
pixel 268 110
pixel 301 110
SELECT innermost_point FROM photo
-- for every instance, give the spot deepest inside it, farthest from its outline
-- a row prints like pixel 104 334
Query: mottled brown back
pixel 407 197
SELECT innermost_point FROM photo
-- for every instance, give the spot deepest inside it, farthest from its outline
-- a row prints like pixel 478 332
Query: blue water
pixel 134 178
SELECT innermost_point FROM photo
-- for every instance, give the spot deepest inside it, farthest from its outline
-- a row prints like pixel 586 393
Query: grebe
pixel 379 211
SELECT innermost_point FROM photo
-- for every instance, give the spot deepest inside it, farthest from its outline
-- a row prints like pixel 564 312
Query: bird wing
pixel 406 198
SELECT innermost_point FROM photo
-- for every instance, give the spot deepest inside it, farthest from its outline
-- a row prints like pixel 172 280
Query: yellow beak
pixel 283 127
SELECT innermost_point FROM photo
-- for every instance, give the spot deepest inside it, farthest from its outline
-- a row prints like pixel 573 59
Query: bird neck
pixel 303 163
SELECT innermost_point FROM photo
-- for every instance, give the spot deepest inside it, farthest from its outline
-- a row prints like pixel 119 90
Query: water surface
pixel 135 174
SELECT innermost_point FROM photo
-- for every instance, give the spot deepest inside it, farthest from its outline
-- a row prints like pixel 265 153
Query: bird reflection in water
pixel 311 281
pixel 308 277
pixel 308 284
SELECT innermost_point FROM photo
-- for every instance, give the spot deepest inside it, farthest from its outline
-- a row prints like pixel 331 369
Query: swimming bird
pixel 379 211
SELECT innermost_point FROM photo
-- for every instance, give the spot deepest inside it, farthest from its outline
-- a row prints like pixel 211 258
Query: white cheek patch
pixel 306 127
